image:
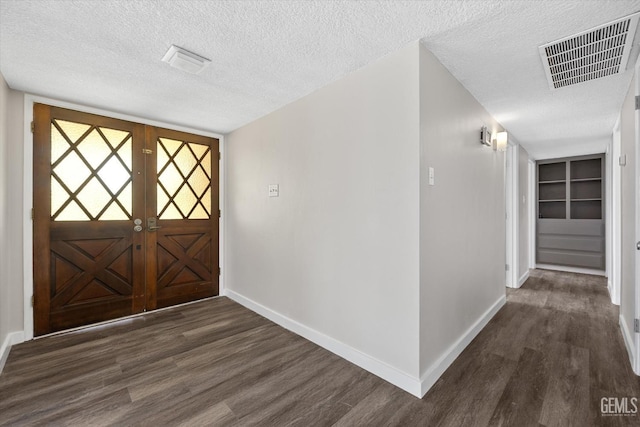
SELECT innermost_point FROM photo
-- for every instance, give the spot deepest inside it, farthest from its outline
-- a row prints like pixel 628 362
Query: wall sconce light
pixel 485 136
pixel 500 143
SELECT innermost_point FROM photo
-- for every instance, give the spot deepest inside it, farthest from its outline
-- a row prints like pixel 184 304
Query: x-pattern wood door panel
pixel 93 176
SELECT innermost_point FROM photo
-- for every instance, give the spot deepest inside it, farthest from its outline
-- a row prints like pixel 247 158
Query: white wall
pixel 11 137
pixel 524 204
pixel 337 251
pixel 462 216
pixel 628 197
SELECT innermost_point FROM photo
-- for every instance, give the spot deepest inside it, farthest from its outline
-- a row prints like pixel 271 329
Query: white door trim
pixel 27 233
pixel 636 336
pixel 511 200
pixel 614 226
pixel 533 201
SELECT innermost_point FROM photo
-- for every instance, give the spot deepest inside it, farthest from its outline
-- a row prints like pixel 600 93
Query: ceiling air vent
pixel 592 54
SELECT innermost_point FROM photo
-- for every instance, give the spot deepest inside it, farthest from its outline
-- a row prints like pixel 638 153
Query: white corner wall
pixel 524 204
pixel 462 220
pixel 335 256
pixel 11 122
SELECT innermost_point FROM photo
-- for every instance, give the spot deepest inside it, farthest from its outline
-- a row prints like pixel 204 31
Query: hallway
pixel 547 358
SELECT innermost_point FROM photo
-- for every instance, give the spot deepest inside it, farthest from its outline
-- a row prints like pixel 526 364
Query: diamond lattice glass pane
pixel 58 196
pixel 206 164
pixel 59 145
pixel 94 149
pixel 94 197
pixel 199 213
pixel 72 171
pixel 206 201
pixel 171 213
pixel 73 130
pixel 162 158
pixel 185 161
pixel 114 174
pixel 125 154
pixel 126 199
pixel 114 137
pixel 162 199
pixel 185 200
pixel 72 213
pixel 199 181
pixel 171 179
pixel 199 149
pixel 170 144
pixel 114 213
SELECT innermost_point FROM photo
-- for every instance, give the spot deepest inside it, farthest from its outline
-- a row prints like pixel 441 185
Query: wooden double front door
pixel 125 218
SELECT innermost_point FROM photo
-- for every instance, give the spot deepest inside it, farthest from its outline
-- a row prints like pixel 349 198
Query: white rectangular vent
pixel 596 53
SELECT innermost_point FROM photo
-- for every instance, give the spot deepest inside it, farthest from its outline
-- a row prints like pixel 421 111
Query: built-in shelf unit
pixel 570 226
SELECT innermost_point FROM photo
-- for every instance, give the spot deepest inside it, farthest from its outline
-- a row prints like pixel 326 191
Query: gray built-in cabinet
pixel 570 227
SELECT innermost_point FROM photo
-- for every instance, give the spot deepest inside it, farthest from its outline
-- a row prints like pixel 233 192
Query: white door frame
pixel 27 233
pixel 533 221
pixel 614 225
pixel 511 201
pixel 636 336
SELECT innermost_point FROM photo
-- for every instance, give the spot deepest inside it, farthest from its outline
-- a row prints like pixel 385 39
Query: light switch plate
pixel 274 190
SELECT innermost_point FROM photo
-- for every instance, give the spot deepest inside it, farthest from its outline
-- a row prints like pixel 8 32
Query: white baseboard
pixel 415 386
pixel 436 370
pixel 381 369
pixel 628 341
pixel 523 279
pixel 11 339
pixel 579 270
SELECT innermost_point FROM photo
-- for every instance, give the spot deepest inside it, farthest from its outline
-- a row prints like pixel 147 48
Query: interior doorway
pixel 125 218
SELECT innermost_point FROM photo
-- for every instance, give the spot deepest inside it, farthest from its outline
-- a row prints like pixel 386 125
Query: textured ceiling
pixel 264 54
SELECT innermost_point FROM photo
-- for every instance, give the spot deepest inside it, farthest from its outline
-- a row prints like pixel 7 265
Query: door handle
pixel 137 225
pixel 152 224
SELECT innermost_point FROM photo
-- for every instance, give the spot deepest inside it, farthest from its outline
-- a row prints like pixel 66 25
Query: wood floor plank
pixel 548 357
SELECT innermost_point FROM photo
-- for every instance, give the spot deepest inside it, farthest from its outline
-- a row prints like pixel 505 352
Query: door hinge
pixel 637 102
pixel 219 156
pixel 506 267
pixel 219 213
pixel 219 271
pixel 33 127
pixel 147 151
pixel 33 300
pixel 33 214
pixel 636 325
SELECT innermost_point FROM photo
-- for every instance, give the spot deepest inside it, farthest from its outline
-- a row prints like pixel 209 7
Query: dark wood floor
pixel 547 358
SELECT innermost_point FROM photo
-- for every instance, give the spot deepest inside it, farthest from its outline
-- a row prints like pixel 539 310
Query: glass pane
pixel 185 161
pixel 171 213
pixel 125 154
pixel 73 130
pixel 162 199
pixel 72 171
pixel 72 213
pixel 199 181
pixel 114 137
pixel 94 197
pixel 58 196
pixel 114 213
pixel 171 145
pixel 206 200
pixel 199 213
pixel 94 149
pixel 162 158
pixel 171 179
pixel 114 174
pixel 206 164
pixel 126 199
pixel 199 149
pixel 185 200
pixel 59 145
